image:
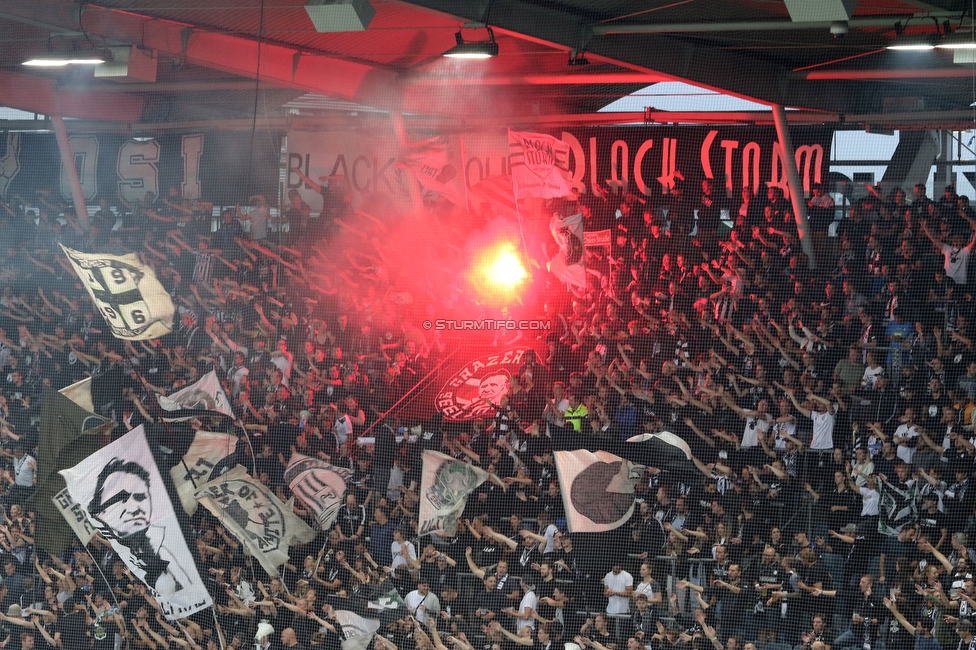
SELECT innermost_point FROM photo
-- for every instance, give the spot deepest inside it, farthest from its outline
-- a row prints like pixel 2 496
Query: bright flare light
pixel 496 274
pixel 506 269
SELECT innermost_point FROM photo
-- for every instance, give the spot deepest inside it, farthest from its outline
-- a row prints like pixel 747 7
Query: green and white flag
pixel 444 489
pixel 898 507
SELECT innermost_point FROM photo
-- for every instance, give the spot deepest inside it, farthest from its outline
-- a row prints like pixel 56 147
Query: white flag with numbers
pixel 126 292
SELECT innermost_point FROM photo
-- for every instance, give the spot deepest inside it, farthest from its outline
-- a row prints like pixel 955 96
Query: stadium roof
pixel 209 55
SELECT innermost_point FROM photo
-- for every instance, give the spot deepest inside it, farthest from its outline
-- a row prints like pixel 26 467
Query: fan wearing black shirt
pixel 766 578
pixel 867 613
pixel 351 521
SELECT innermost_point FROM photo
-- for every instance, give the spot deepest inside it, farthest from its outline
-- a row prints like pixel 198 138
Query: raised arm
pixel 479 573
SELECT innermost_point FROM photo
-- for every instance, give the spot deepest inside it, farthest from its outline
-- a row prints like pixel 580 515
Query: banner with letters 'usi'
pixel 221 167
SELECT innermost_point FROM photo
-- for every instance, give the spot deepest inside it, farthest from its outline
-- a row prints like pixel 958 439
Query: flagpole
pixel 515 194
pixel 464 173
pixel 159 414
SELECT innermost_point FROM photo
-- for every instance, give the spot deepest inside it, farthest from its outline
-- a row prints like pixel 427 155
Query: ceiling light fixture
pixel 473 50
pixel 62 59
pixel 917 42
pixel 914 42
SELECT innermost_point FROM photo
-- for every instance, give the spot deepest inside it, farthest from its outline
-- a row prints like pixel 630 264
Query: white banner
pixel 438 166
pixel 540 166
pixel 369 166
pixel 204 395
pixel 126 292
pixel 206 450
pixel 318 485
pixel 357 629
pixel 75 515
pixel 597 488
pixel 255 516
pixel 444 489
pixel 567 264
pixel 122 493
pixel 80 393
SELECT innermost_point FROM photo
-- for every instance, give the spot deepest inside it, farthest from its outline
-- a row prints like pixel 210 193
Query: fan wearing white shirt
pixel 420 602
pixel 906 435
pixel 404 553
pixel 822 415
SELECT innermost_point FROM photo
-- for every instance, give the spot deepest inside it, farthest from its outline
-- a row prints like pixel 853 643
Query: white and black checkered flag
pixel 126 292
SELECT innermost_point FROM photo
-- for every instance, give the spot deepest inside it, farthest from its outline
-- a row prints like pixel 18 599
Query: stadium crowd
pixel 829 414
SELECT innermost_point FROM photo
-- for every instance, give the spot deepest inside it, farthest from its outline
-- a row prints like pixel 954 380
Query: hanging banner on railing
pixel 645 160
pixel 221 167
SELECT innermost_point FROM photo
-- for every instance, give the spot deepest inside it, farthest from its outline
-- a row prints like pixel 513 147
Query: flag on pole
pixel 567 263
pixel 357 629
pixel 897 507
pixel 197 398
pixel 494 195
pixel 68 435
pixel 75 515
pixel 206 451
pixel 80 393
pixel 255 516
pixel 444 489
pixel 597 488
pixel 126 292
pixel 122 493
pixel 540 165
pixel 318 485
pixel 437 167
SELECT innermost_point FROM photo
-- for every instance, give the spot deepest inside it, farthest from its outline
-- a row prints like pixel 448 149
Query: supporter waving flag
pixel 437 165
pixel 318 485
pixel 205 453
pixel 540 165
pixel 444 489
pixel 897 507
pixel 252 513
pixel 597 476
pixel 123 495
pixel 191 402
pixel 126 292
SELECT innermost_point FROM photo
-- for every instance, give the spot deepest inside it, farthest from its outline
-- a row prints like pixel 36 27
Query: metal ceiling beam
pixel 866 75
pixel 755 25
pixel 41 95
pixel 685 60
pixel 567 79
pixel 172 86
pixel 286 66
pixel 381 122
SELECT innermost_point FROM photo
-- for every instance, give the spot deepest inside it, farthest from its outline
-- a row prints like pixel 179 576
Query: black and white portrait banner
pixel 122 493
pixel 319 485
pixel 126 292
pixel 255 516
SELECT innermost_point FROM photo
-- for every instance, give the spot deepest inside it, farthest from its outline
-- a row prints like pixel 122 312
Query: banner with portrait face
pixel 122 493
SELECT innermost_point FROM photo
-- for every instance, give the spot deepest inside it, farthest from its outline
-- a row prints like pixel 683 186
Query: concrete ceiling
pixel 211 53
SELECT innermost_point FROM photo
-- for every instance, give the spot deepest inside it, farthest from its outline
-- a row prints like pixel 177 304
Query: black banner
pixel 221 167
pixel 647 160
